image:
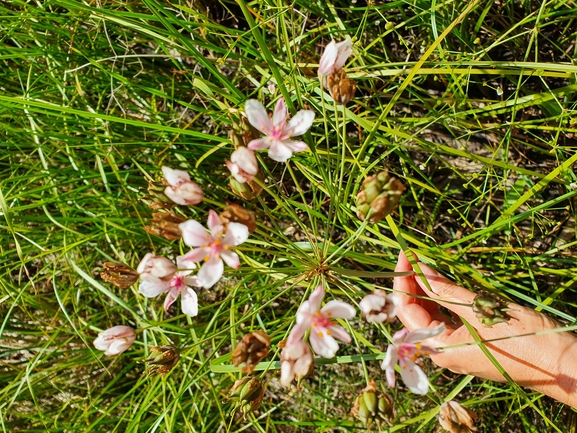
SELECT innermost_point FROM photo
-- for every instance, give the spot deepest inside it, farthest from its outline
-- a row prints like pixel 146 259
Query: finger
pixel 405 285
pixel 448 294
pixel 414 317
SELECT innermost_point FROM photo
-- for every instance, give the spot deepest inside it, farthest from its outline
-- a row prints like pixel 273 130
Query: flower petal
pixel 344 49
pixel 175 177
pixel 194 234
pixel 297 333
pixel 174 195
pixel 339 310
pixel 295 146
pixel 391 359
pixel 189 302
pixel 261 143
pixel 300 123
pixel 399 336
pixel 287 374
pixel 422 334
pixel 192 281
pixel 197 254
pixel 280 114
pixel 304 314
pixel 327 62
pixel 153 287
pixel 338 332
pixel 211 272
pixel 325 345
pixel 171 296
pixel 185 265
pixel 414 378
pixel 214 224
pixel 316 298
pixel 279 152
pixel 257 116
pixel 236 234
pixel 230 258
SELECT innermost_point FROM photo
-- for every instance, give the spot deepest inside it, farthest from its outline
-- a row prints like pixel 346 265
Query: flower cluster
pixel 211 247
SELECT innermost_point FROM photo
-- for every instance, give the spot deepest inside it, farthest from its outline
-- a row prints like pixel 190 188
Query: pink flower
pixel 181 189
pixel 213 246
pixel 155 279
pixel 405 350
pixel 243 165
pixel 323 329
pixel 379 307
pixel 296 361
pixel 334 57
pixel 277 129
pixel 115 340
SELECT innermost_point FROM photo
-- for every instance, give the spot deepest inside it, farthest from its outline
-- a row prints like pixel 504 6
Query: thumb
pixel 446 293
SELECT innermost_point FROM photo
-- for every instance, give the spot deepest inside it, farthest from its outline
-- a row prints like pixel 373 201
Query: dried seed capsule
pixel 120 275
pixel 251 350
pixel 165 225
pixel 235 213
pixel 373 407
pixel 341 87
pixel 163 359
pixel 490 309
pixel 247 393
pixel 380 194
pixel 455 418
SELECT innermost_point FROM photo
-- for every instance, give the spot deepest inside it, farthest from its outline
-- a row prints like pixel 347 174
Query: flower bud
pixel 163 359
pixel 153 267
pixel 247 393
pixel 120 275
pixel 181 189
pixel 235 213
pixel 341 87
pixel 243 165
pixel 296 362
pixel 156 199
pixel 490 309
pixel 165 225
pixel 380 194
pixel 455 418
pixel 251 350
pixel 115 340
pixel 379 307
pixel 373 407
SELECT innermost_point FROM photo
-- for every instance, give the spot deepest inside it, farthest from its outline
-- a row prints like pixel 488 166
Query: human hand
pixel 542 362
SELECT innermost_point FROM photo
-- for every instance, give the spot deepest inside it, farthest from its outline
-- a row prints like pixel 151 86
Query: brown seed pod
pixel 120 275
pixel 165 225
pixel 341 87
pixel 235 213
pixel 251 349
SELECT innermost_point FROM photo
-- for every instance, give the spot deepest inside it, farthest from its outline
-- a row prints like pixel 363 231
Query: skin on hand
pixel 541 362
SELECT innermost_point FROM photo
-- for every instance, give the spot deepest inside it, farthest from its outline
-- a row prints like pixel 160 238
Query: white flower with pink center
pixel 213 246
pixel 115 340
pixel 324 331
pixel 154 282
pixel 278 131
pixel 405 350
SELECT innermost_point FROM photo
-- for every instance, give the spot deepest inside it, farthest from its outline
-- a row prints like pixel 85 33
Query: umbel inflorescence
pixel 318 329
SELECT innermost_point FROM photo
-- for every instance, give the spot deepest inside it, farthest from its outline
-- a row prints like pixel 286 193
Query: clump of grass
pixel 468 103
